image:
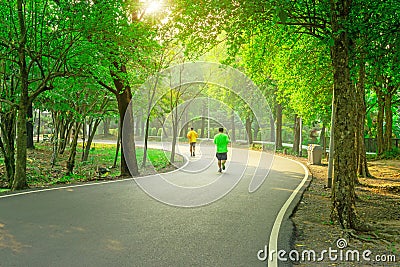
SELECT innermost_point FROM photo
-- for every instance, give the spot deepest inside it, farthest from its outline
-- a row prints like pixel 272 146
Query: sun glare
pixel 153 6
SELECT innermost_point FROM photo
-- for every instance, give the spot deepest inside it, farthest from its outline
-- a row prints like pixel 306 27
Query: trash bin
pixel 314 154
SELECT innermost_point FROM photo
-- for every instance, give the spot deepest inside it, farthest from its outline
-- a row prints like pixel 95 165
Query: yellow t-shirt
pixel 192 135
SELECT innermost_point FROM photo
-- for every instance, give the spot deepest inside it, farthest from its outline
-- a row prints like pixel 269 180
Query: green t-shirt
pixel 222 141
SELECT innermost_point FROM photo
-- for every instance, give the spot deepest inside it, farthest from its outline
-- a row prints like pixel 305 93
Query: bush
pixel 394 153
pixel 114 132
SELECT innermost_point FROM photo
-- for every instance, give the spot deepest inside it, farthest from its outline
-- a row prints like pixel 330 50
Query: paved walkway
pixel 141 222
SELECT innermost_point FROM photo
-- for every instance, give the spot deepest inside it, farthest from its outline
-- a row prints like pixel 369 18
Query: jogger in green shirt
pixel 221 140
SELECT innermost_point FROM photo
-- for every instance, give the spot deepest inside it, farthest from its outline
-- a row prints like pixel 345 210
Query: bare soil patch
pixel 378 203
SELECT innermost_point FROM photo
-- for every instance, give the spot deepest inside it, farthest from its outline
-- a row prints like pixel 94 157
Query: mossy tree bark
pixel 343 190
pixel 20 181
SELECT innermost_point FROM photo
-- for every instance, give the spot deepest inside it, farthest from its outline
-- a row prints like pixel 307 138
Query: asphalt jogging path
pixel 131 223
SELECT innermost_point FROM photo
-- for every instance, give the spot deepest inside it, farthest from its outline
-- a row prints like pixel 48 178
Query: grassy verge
pixel 40 173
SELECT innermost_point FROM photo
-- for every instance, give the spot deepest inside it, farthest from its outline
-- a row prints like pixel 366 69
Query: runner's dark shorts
pixel 222 156
pixel 192 144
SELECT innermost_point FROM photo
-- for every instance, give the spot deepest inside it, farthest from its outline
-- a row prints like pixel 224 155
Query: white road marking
pixel 273 238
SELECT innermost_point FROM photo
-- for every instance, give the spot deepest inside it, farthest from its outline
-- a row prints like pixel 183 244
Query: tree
pixel 37 38
pixel 375 29
pixel 125 46
pixel 343 197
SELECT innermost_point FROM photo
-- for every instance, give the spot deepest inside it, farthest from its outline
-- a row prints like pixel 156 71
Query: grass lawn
pixel 40 173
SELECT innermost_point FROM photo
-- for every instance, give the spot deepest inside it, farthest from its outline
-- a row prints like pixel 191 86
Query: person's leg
pixel 191 149
pixel 219 161
pixel 194 149
pixel 224 157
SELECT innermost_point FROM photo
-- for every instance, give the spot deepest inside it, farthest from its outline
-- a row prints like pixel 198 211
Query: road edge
pixel 7 194
pixel 285 212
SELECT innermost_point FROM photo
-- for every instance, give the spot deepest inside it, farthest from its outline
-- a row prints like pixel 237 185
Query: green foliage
pixel 394 153
pixel 289 151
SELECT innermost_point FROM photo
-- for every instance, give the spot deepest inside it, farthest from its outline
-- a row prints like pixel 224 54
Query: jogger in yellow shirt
pixel 192 136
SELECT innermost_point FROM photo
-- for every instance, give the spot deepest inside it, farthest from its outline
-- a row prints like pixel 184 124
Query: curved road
pixel 119 224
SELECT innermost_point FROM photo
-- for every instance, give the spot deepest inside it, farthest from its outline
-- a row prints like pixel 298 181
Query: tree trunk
pixel 72 152
pixel 54 138
pixel 174 137
pixel 146 137
pixel 248 130
pixel 66 125
pixel 20 181
pixel 362 167
pixel 278 135
pixel 83 138
pixel 93 126
pixel 128 149
pixel 9 162
pixel 272 129
pixel 300 137
pixel 343 191
pixel 379 123
pixel 106 126
pixel 388 118
pixel 29 127
pixel 62 130
pixel 256 130
pixel 7 143
pixel 203 121
pixel 359 133
pixel 175 121
pixel 117 148
pixel 332 142
pixel 296 134
pixel 142 127
pixel 38 127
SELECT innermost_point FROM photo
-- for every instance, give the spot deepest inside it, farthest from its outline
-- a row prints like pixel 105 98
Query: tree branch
pixel 8 102
pixel 109 88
